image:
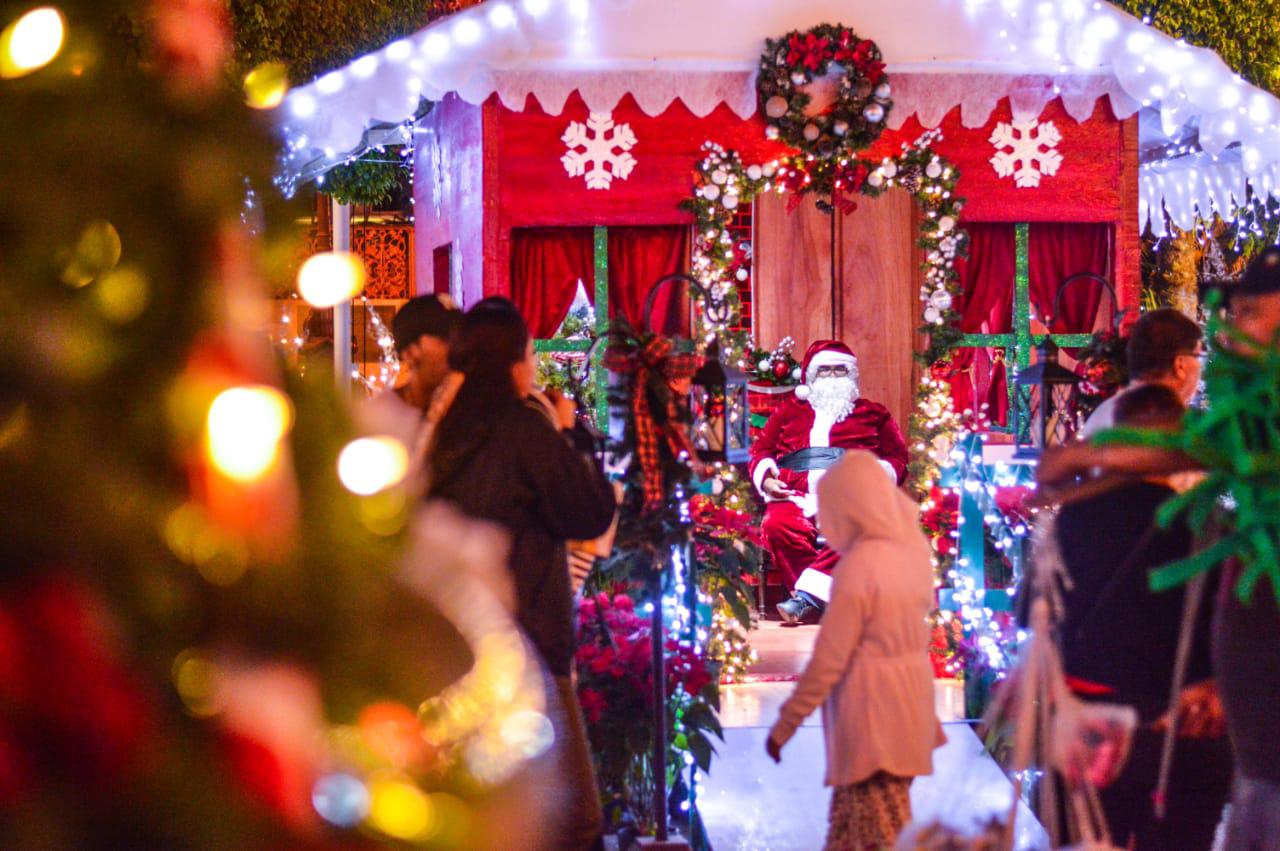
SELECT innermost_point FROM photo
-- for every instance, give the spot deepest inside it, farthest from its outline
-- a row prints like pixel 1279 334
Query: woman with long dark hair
pixel 500 459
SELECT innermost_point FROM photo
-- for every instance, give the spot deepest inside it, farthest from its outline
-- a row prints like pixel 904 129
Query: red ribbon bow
pixel 643 361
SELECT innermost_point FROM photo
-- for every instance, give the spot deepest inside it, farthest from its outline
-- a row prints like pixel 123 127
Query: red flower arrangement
pixel 615 686
pixel 941 519
pixel 725 521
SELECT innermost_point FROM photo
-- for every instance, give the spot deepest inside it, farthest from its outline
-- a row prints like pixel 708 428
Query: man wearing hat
pixel 805 436
pixel 421 329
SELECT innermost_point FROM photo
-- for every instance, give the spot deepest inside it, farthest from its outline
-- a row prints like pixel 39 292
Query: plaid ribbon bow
pixel 654 359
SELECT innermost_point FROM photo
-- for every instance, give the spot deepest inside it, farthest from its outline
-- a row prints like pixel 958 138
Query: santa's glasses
pixel 838 371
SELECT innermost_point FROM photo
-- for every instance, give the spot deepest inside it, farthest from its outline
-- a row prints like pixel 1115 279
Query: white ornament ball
pixel 947 224
pixel 776 106
pixel 771 132
pixel 932 315
pixel 840 127
pixel 730 202
pixel 933 170
pixel 883 91
pixel 890 168
pixel 795 373
pixel 764 364
pixel 940 299
pixel 711 192
pixel 770 169
pixel 873 112
pixel 717 487
pixel 754 172
pixel 876 178
pixel 718 176
pixel 742 274
pixel 811 132
pixel 798 78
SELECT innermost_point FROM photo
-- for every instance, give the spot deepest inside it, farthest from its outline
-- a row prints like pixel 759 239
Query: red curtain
pixel 638 258
pixel 1058 250
pixel 546 265
pixel 986 279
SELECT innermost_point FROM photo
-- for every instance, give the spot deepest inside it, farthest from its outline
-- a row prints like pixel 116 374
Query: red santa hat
pixel 824 353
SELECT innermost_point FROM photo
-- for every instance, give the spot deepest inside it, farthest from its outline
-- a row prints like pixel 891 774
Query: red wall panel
pixel 526 184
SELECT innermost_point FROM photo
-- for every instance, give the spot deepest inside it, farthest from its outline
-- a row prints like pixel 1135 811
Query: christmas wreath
pixel 856 117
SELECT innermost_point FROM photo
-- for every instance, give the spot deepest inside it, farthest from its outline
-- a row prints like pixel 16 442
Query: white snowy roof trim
pixel 940 53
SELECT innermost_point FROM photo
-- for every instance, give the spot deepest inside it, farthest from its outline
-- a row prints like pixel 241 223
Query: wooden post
pixel 342 311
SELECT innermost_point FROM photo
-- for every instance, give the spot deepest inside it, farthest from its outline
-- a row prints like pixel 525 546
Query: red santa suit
pixel 789 529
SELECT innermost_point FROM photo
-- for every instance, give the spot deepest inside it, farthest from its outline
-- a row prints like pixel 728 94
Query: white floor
pixel 749 803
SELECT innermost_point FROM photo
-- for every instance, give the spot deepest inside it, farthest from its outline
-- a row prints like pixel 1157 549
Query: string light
pixel 244 428
pixel 331 277
pixel 31 42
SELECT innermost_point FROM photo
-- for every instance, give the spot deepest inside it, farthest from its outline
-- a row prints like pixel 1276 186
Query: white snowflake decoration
pixel 1025 160
pixel 603 146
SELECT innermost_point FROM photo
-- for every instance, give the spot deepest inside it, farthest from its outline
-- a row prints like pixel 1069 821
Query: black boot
pixel 801 608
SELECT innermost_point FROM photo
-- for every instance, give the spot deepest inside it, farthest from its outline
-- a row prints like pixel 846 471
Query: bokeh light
pixel 331 277
pixel 31 42
pixel 392 731
pixel 528 733
pixel 266 85
pixel 244 429
pixel 371 464
pixel 400 810
pixel 340 799
pixel 97 251
pixel 196 679
pixel 122 294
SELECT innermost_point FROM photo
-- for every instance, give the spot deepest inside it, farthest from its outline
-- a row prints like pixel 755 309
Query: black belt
pixel 813 458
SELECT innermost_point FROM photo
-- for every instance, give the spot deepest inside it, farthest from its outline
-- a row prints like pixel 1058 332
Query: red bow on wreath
pixel 644 361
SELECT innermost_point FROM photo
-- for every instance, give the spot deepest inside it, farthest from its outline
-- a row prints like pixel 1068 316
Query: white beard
pixel 833 396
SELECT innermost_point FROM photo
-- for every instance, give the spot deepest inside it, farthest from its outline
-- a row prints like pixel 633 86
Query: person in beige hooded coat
pixel 870 662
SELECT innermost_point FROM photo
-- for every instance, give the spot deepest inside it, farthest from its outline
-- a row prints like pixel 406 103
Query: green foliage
pixel 1242 32
pixel 370 181
pixel 121 249
pixel 312 37
pixel 562 371
pixel 315 36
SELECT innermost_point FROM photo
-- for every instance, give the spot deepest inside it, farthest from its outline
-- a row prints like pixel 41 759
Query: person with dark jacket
pixel 498 459
pixel 1119 642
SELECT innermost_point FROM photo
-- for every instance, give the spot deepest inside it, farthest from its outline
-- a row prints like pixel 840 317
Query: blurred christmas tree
pixel 205 638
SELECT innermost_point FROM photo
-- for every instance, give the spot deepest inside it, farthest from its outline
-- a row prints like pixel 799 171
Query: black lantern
pixel 718 403
pixel 1042 415
pixel 721 411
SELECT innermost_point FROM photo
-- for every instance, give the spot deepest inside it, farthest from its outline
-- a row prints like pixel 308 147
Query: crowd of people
pixel 485 440
pixel 849 545
pixel 1119 636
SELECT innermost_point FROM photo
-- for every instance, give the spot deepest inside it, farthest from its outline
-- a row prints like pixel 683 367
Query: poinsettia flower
pixel 593 704
pixel 810 51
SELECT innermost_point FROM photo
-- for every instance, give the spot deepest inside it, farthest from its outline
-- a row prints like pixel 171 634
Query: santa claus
pixel 803 438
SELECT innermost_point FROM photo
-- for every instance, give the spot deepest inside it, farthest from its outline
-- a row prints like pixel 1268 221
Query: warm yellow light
pixel 399 809
pixel 31 42
pixel 266 85
pixel 371 464
pixel 331 277
pixel 244 427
